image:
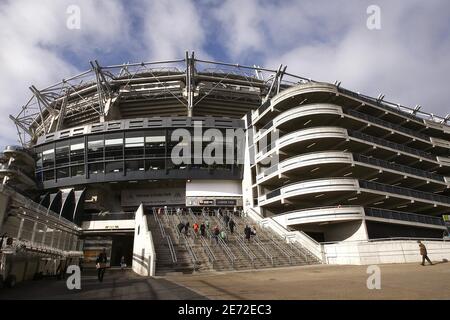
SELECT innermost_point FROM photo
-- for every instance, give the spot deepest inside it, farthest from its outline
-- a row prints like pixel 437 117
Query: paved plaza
pixel 398 281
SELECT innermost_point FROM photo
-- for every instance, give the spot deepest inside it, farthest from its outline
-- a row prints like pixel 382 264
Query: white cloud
pixel 34 37
pixel 170 28
pixel 328 40
pixel 407 59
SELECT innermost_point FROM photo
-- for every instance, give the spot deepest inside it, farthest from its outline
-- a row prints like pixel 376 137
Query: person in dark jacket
pixel 423 253
pixel 216 233
pixel 203 230
pixel 231 225
pixel 226 219
pixel 101 265
pixel 180 226
pixel 186 228
pixel 247 232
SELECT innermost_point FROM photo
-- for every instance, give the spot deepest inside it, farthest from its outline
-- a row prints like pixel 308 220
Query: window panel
pixel 114 146
pixel 62 172
pixel 155 144
pixel 77 150
pixel 134 145
pixel 48 156
pixel 62 150
pixel 96 168
pixel 114 167
pixel 77 171
pixel 95 148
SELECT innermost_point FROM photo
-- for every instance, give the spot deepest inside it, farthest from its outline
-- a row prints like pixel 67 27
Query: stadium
pixel 324 174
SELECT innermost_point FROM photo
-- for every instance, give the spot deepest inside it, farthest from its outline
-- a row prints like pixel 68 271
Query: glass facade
pixel 127 152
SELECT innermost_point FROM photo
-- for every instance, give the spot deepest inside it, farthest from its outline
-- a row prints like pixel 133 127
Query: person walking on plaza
pixel 231 225
pixel 101 265
pixel 203 230
pixel 123 265
pixel 195 226
pixel 216 233
pixel 247 232
pixel 423 253
pixel 186 228
pixel 180 227
pixel 226 219
pixel 223 235
pixel 207 224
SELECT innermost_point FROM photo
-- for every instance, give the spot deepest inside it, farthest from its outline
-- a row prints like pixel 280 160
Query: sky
pixel 406 57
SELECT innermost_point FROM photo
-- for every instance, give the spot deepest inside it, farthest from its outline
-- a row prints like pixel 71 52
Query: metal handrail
pixel 299 248
pixel 172 249
pixel 158 221
pixel 190 251
pixel 264 249
pixel 227 251
pixel 246 250
pixel 283 250
pixel 207 249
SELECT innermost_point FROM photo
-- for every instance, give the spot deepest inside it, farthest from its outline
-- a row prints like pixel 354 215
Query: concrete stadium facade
pixel 318 159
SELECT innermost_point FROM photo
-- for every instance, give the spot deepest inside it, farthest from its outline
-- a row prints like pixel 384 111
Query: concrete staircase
pixel 177 252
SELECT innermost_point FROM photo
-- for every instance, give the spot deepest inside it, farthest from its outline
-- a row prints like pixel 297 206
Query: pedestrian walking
pixel 247 232
pixel 207 224
pixel 223 235
pixel 101 265
pixel 180 227
pixel 203 230
pixel 231 225
pixel 423 253
pixel 226 219
pixel 195 227
pixel 216 233
pixel 186 228
pixel 123 265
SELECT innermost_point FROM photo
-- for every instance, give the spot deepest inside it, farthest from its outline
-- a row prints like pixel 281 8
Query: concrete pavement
pixel 117 284
pixel 398 281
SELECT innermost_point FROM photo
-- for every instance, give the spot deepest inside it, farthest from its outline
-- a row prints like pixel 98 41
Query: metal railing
pixel 246 250
pixel 398 167
pixel 173 253
pixel 403 191
pixel 209 253
pixel 190 251
pixel 404 216
pixel 396 146
pixel 228 253
pixel 281 249
pixel 264 249
pixel 387 124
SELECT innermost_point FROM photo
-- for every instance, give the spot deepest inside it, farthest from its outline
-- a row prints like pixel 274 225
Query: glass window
pixel 114 167
pixel 95 148
pixel 39 233
pixel 114 146
pixel 155 144
pixel 156 164
pixel 134 165
pixel 96 168
pixel 77 150
pixel 134 145
pixel 49 236
pixel 62 172
pixel 48 156
pixel 62 153
pixel 77 170
pixel 38 152
pixel 49 175
pixel 27 230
